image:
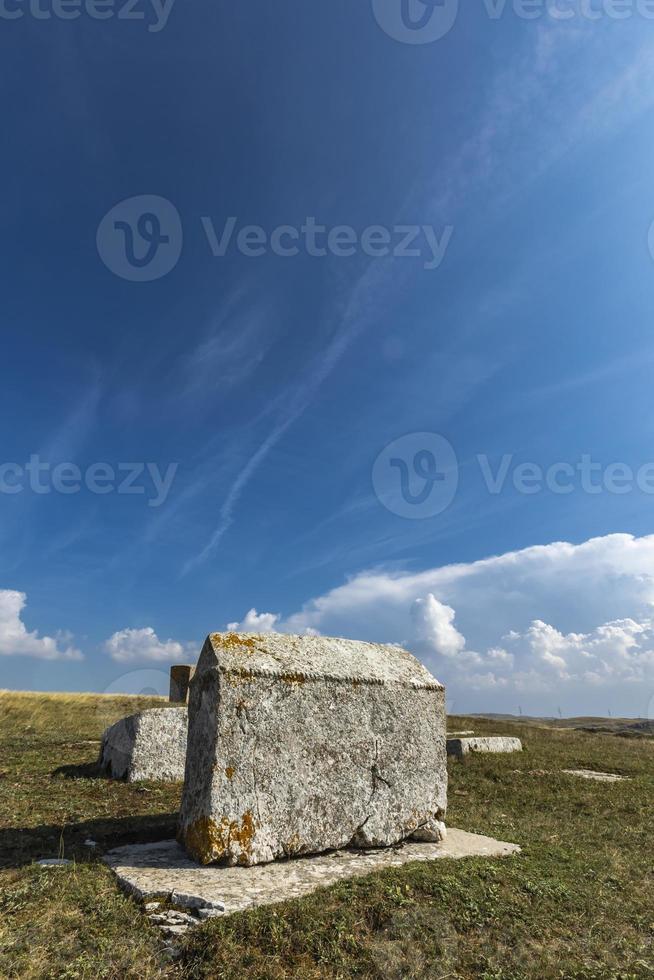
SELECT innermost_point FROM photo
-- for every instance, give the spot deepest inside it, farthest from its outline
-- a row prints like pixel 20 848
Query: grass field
pixel 578 903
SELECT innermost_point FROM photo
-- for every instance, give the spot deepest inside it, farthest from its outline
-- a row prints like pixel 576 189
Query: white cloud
pixel 15 640
pixel 557 624
pixel 434 627
pixel 255 622
pixel 135 645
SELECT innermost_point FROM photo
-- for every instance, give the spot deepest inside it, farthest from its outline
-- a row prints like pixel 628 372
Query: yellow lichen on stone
pixel 229 772
pixel 205 840
pixel 232 641
pixel 293 845
pixel 208 841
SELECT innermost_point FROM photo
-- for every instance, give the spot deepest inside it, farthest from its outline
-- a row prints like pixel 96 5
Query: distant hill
pixel 623 727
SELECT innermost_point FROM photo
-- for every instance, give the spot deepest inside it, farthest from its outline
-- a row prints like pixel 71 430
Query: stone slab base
pixel 463 746
pixel 163 870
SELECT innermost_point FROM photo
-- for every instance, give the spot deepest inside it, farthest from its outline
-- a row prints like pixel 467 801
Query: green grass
pixel 578 903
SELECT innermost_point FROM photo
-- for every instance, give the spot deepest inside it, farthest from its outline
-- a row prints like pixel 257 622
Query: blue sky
pixel 265 388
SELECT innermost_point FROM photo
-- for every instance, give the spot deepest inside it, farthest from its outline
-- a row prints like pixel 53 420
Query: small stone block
pixel 150 745
pixel 600 777
pixel 459 747
pixel 180 679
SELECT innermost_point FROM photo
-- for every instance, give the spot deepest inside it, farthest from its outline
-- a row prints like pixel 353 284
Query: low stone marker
pixel 303 744
pixel 180 678
pixel 463 746
pixel 149 745
pixel 600 777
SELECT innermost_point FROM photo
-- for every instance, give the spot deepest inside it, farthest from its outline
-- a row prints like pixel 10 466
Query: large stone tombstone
pixel 301 744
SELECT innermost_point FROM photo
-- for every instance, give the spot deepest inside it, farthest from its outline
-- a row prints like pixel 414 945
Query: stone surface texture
pixel 302 744
pixel 181 676
pixel 150 745
pixel 164 870
pixel 463 746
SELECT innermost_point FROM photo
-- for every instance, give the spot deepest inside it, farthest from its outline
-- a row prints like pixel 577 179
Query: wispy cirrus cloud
pixel 369 289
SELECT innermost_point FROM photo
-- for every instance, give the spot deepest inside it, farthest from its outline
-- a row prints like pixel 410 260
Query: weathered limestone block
pixel 302 744
pixel 149 745
pixel 463 746
pixel 180 678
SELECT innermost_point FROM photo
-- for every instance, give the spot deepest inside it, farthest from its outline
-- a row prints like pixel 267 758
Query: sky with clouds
pixel 335 318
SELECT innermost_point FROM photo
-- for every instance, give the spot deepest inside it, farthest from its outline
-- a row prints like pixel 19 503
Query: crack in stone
pixel 376 779
pixel 376 775
pixel 255 788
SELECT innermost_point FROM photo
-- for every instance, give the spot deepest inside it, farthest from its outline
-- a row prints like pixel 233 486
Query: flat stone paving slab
pixel 163 869
pixel 600 777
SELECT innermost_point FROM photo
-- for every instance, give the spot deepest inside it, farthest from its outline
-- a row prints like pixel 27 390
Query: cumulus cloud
pixel 557 624
pixel 434 628
pixel 15 640
pixel 254 622
pixel 621 651
pixel 137 645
